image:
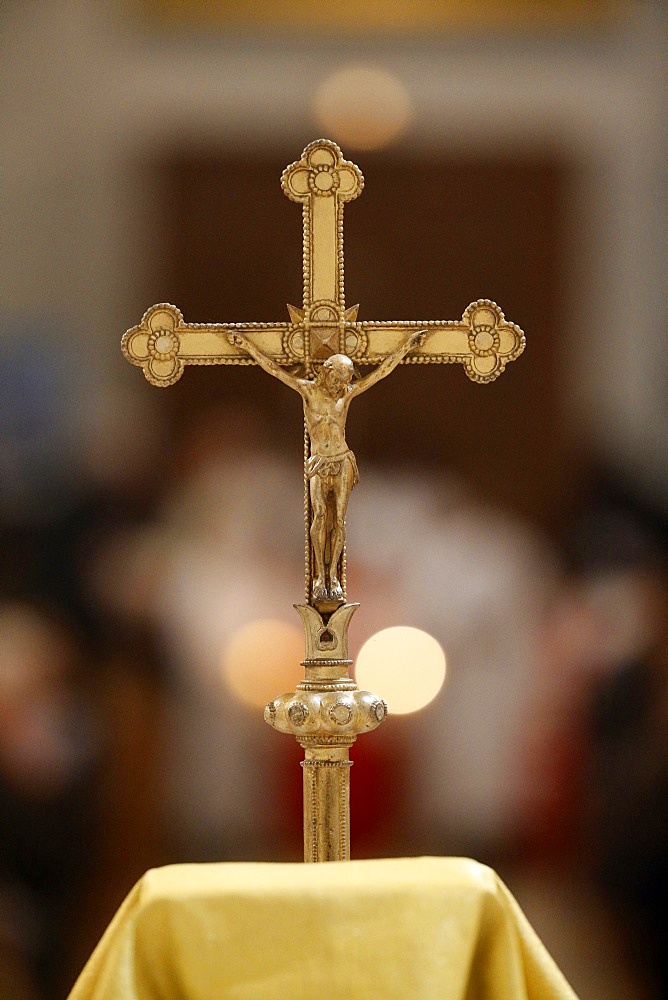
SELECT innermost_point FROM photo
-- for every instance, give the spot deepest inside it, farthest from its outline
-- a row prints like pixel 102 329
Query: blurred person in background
pixel 48 751
pixel 596 741
pixel 79 687
pixel 625 550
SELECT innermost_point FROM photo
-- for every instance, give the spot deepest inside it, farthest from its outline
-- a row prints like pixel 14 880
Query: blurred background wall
pixel 510 151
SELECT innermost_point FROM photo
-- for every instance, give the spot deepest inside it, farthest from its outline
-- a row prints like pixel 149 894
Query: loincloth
pixel 324 466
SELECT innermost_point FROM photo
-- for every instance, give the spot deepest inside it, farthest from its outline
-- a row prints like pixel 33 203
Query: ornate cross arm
pixel 162 343
pixel 483 341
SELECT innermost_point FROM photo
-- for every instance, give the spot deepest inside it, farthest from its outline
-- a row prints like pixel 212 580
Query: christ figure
pixel 332 469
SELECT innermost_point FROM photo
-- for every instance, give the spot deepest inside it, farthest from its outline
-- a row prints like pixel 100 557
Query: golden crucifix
pixel 315 354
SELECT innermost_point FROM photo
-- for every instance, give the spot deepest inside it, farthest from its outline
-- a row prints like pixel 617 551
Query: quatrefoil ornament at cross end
pixel 321 170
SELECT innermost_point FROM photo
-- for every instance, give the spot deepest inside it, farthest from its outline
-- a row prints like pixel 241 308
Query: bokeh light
pixel 262 659
pixel 405 666
pixel 362 107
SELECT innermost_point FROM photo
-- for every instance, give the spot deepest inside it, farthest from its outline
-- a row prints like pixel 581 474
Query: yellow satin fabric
pixel 423 928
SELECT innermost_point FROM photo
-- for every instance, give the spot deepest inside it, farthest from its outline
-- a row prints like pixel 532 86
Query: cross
pixel 483 341
pixel 314 354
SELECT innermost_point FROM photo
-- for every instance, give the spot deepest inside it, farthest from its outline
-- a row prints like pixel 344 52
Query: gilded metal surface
pixel 314 354
pixel 320 342
pixel 483 341
pixel 331 469
pixel 326 714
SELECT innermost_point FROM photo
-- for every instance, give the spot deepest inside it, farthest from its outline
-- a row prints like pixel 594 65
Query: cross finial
pixel 323 181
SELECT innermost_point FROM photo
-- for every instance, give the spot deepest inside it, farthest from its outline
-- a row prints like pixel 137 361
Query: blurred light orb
pixel 362 106
pixel 405 666
pixel 261 660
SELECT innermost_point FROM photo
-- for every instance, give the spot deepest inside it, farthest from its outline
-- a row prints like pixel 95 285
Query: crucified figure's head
pixel 336 373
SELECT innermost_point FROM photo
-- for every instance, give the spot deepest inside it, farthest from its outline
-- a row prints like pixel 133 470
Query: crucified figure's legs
pixel 319 534
pixel 340 494
pixel 329 502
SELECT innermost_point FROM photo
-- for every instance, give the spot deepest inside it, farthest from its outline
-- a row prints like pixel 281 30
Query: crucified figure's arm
pixel 390 363
pixel 240 340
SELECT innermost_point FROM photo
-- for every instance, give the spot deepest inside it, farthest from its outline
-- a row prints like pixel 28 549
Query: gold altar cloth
pixel 424 928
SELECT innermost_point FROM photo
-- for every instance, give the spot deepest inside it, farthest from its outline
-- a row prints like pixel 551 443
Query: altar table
pixel 423 928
